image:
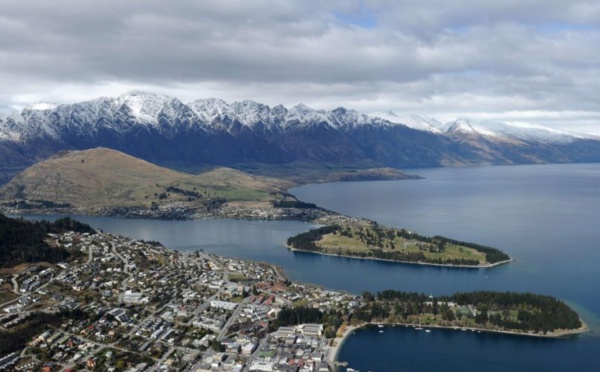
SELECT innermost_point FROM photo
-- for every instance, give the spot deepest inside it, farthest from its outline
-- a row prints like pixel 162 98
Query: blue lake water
pixel 545 216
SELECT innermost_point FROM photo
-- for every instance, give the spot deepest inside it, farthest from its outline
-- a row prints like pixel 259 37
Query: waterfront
pixel 543 216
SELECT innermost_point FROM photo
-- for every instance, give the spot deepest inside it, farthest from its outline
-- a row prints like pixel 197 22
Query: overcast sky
pixel 511 60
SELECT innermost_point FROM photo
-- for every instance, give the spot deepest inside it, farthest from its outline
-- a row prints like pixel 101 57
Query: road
pixel 125 268
pixel 232 318
pixel 15 283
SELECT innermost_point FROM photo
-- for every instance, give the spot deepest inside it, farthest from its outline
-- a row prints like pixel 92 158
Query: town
pixel 138 306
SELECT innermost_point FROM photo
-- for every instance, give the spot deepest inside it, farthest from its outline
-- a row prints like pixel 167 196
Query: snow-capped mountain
pixel 140 109
pixel 510 131
pixel 166 130
pixel 516 131
pixel 161 112
pixel 412 121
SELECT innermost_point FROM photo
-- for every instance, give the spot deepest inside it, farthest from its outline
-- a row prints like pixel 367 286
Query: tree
pixel 368 296
pixel 217 346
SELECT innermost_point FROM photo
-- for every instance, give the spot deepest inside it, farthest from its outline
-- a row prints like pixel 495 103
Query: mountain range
pixel 209 132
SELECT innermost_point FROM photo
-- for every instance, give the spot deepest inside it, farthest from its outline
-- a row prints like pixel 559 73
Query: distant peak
pixel 302 107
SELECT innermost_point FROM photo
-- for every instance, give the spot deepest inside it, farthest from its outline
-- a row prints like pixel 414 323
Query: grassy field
pixel 357 240
pixel 6 296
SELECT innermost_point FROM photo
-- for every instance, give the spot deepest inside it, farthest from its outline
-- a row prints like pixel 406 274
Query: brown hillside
pixel 102 177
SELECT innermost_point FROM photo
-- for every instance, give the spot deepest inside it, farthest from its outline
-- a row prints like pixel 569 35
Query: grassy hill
pixel 102 178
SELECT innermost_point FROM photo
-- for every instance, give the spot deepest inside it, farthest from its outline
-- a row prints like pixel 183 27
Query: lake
pixel 544 216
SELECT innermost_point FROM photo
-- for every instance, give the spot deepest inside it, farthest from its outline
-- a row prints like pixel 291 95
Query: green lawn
pixel 334 242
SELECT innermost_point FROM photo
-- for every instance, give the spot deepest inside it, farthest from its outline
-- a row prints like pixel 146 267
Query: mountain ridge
pixel 208 132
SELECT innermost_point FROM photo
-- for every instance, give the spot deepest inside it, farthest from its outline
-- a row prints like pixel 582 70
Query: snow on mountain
pixel 302 115
pixel 467 126
pixel 145 107
pixel 11 127
pixel 169 115
pixel 516 131
pixel 351 118
pixel 412 121
pixel 250 113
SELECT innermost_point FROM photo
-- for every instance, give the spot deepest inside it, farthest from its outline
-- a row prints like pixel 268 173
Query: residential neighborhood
pixel 138 306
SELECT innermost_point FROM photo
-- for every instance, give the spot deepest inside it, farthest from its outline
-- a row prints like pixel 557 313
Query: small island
pixel 372 241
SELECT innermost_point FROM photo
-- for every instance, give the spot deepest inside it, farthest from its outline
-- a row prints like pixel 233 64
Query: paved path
pixel 15 284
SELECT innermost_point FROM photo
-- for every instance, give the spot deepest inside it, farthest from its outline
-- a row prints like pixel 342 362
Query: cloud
pixel 426 57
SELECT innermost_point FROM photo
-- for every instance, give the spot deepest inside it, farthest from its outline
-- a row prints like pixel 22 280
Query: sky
pixel 534 61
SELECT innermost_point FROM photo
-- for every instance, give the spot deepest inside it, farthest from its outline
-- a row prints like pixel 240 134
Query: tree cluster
pixel 299 315
pixel 188 193
pixel 538 313
pixel 25 241
pixel 306 241
pixel 16 339
pixel 293 204
pixel 36 204
pixel 535 313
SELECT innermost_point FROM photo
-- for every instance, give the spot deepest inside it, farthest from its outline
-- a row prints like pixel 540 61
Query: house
pixel 249 348
pixel 223 305
pixel 91 363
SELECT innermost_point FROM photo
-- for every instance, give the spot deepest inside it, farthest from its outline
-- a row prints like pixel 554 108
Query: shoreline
pixel 487 266
pixel 338 342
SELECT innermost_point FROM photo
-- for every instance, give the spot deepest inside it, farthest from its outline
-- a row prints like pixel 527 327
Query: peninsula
pixel 368 240
pixel 105 182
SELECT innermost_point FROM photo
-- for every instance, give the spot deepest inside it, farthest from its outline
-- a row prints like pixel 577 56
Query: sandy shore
pixel 338 342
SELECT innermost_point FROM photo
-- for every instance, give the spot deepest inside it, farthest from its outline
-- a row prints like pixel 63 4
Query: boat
pixel 418 328
pixel 428 330
pixel 380 331
pixel 380 325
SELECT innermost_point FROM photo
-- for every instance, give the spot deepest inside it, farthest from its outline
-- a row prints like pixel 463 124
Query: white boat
pixel 428 330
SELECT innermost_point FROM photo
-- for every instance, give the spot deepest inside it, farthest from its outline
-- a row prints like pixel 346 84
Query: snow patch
pixel 412 121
